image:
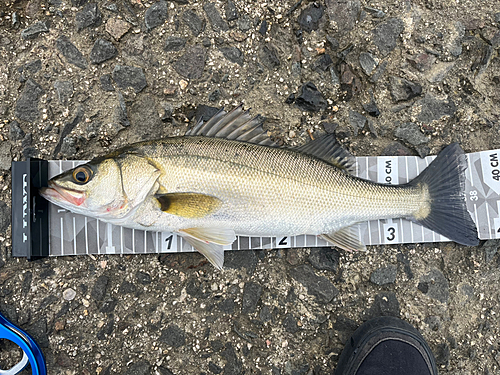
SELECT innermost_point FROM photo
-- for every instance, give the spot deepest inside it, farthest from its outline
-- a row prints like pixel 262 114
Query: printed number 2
pixel 282 242
pixel 392 234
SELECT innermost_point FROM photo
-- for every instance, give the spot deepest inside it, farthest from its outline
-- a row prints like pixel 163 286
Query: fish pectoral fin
pixel 219 236
pixel 188 205
pixel 330 150
pixel 346 238
pixel 213 252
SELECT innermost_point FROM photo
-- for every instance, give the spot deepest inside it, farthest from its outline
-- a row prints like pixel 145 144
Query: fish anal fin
pixel 328 149
pixel 346 238
pixel 220 236
pixel 188 205
pixel 213 252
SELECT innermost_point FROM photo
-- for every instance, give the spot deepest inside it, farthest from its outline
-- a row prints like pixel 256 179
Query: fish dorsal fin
pixel 188 205
pixel 346 238
pixel 237 124
pixel 328 149
pixel 213 252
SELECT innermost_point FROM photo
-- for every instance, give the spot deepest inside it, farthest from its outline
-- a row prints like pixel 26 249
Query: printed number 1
pixel 168 240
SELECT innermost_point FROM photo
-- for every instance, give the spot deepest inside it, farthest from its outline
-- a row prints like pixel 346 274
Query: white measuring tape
pixel 72 234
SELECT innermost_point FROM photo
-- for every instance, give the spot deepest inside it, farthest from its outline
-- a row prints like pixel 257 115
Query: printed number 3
pixel 392 234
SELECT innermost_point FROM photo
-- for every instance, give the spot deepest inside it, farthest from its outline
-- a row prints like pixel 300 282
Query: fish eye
pixel 82 175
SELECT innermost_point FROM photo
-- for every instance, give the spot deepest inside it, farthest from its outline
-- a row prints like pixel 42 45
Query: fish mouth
pixel 57 194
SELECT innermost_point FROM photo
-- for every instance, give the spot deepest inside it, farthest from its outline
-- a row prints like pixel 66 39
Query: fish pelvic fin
pixel 188 205
pixel 444 209
pixel 219 236
pixel 330 150
pixel 210 242
pixel 213 252
pixel 346 238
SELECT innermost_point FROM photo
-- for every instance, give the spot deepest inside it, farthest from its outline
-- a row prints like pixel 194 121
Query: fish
pixel 226 177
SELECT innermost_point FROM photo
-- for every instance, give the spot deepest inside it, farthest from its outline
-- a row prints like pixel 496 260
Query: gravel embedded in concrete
pixel 276 311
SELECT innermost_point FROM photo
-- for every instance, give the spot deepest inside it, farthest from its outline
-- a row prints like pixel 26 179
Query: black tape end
pixel 30 214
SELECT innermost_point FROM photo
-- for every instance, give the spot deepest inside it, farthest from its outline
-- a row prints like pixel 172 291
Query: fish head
pixel 91 188
pixel 105 188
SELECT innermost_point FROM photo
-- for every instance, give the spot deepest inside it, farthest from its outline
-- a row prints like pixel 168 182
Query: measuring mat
pixel 43 229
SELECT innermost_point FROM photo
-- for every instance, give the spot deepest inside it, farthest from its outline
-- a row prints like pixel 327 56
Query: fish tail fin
pixel 446 210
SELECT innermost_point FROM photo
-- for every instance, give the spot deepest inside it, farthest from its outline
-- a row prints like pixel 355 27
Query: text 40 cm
pixel 495 171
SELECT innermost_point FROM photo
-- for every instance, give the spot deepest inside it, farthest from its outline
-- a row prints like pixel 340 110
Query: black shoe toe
pixel 386 346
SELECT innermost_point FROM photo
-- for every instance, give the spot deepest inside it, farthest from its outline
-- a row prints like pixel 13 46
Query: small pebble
pixel 59 325
pixel 183 84
pixel 69 294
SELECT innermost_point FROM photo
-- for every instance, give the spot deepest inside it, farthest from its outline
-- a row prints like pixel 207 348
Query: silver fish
pixel 226 178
